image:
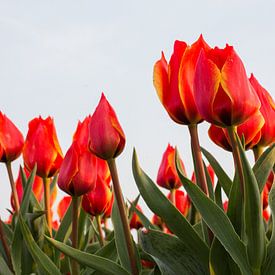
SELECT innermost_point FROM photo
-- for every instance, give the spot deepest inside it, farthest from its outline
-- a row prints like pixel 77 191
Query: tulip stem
pixel 101 238
pixel 197 157
pixel 257 151
pixel 122 212
pixel 74 236
pixel 236 155
pixel 173 196
pixel 47 203
pixel 13 188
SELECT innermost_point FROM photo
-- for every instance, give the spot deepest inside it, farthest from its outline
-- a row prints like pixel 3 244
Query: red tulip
pixel 270 180
pixel 63 206
pixel 225 206
pixel 42 148
pixel 211 173
pixel 265 197
pixel 107 139
pixel 78 171
pixel 223 93
pixel 97 201
pixel 266 214
pixel 167 175
pixel 108 211
pixel 11 140
pixel 182 201
pixel 156 220
pixel 135 222
pixel 249 130
pixel 268 111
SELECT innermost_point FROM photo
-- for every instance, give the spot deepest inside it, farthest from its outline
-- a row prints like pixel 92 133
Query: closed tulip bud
pixel 108 210
pixel 182 201
pixel 167 174
pixel 211 173
pixel 78 171
pixel 249 132
pixel 268 111
pixel 63 206
pixel 42 148
pixel 135 222
pixel 11 140
pixel 96 201
pixel 223 93
pixel 107 139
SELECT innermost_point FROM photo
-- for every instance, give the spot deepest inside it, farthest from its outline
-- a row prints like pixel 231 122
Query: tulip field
pixel 211 223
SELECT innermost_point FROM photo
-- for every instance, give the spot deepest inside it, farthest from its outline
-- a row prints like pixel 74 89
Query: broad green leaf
pixel 93 261
pixel 223 178
pixel 7 231
pixel 217 221
pixel 82 222
pixel 176 222
pixel 254 226
pixel 133 203
pixel 264 166
pixel 170 253
pixel 218 195
pixel 4 269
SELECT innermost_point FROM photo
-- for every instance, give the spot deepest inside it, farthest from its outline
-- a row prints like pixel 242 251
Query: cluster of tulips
pixel 202 226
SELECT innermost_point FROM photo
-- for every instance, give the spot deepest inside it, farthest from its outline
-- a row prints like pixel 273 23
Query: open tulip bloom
pixel 211 223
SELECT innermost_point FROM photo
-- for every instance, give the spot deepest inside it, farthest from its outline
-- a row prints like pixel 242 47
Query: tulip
pixel 270 180
pixel 107 139
pixel 265 197
pixel 268 111
pixel 108 210
pixel 266 214
pixel 249 131
pixel 63 206
pixel 156 220
pixel 167 174
pixel 211 173
pixel 42 148
pixel 78 171
pixel 182 201
pixel 223 93
pixel 225 206
pixel 135 222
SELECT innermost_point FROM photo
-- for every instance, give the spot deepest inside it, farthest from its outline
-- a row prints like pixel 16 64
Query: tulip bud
pixel 63 206
pixel 268 111
pixel 78 171
pixel 107 139
pixel 97 201
pixel 225 206
pixel 156 220
pixel 11 140
pixel 42 148
pixel 108 211
pixel 211 173
pixel 135 222
pixel 167 175
pixel 182 201
pixel 223 94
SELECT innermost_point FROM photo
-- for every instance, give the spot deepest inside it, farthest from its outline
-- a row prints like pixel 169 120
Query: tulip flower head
pixel 223 93
pixel 167 174
pixel 63 205
pixel 107 139
pixel 135 222
pixel 42 148
pixel 11 140
pixel 182 201
pixel 211 173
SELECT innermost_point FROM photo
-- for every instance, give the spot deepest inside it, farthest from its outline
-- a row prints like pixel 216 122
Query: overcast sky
pixel 56 57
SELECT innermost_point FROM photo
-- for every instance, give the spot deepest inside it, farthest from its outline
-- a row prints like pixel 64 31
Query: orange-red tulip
pixel 11 140
pixel 97 201
pixel 108 211
pixel 270 180
pixel 63 205
pixel 78 171
pixel 156 220
pixel 211 173
pixel 223 93
pixel 249 130
pixel 107 139
pixel 135 222
pixel 268 111
pixel 182 201
pixel 266 214
pixel 265 197
pixel 42 148
pixel 167 175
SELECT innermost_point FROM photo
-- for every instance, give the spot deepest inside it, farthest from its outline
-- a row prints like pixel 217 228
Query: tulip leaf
pixel 95 262
pixel 264 165
pixel 217 221
pixel 269 265
pixel 253 226
pixel 170 253
pixel 4 269
pixel 42 260
pixel 223 178
pixel 82 222
pixel 172 217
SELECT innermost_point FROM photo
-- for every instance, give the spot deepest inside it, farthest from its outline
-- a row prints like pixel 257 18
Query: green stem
pixel 47 203
pixel 100 231
pixel 13 188
pixel 173 196
pixel 123 216
pixel 74 236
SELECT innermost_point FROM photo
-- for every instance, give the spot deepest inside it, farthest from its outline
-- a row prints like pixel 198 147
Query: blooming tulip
pixel 223 93
pixel 167 175
pixel 135 222
pixel 11 140
pixel 78 171
pixel 107 139
pixel 268 111
pixel 42 148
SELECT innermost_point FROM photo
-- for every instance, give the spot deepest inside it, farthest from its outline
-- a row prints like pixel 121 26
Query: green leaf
pixel 217 221
pixel 82 222
pixel 170 253
pixel 264 166
pixel 4 269
pixel 254 226
pixel 96 262
pixel 218 195
pixel 223 178
pixel 176 222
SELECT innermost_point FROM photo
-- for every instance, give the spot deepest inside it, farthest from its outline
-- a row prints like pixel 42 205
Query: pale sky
pixel 58 56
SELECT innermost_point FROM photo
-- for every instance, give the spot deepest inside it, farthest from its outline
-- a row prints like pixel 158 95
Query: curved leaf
pixel 4 269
